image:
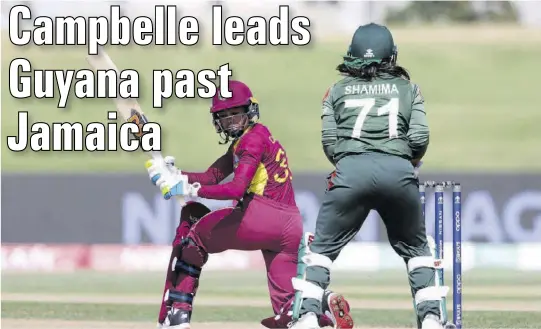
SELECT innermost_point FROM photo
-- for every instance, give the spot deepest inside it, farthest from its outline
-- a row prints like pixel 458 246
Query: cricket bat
pixel 128 109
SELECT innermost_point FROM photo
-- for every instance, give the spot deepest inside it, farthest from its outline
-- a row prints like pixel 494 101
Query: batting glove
pixel 170 163
pixel 170 179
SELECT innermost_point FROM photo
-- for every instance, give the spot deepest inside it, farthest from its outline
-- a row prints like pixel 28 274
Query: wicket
pixel 439 188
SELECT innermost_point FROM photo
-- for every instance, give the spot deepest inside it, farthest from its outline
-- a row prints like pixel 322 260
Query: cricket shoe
pixel 177 319
pixel 307 321
pixel 431 321
pixel 285 320
pixel 336 307
pixel 280 321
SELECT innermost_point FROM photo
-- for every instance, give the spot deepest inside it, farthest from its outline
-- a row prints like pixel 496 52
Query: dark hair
pixel 371 71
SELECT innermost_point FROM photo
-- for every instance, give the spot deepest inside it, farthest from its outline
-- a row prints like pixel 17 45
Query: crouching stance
pixel 374 131
pixel 266 217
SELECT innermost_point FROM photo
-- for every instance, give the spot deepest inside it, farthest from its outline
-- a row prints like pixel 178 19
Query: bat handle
pixel 156 155
pixel 180 200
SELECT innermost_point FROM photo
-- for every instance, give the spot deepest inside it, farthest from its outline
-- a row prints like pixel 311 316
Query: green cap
pixel 372 43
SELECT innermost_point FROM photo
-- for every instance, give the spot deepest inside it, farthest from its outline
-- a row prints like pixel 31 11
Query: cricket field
pixel 482 101
pixel 227 300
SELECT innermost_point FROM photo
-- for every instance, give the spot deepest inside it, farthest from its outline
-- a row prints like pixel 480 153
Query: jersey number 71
pixel 366 104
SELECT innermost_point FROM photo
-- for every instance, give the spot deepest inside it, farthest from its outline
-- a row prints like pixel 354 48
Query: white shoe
pixel 307 321
pixel 431 321
pixel 177 319
pixel 179 326
pixel 166 326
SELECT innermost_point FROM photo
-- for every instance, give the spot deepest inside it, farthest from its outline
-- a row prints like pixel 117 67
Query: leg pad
pixel 193 254
pixel 180 297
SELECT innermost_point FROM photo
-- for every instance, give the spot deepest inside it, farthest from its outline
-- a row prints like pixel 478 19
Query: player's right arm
pixel 328 127
pixel 418 133
pixel 216 173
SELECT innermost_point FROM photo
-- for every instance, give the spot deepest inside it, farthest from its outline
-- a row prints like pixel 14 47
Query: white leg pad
pixel 430 293
pixel 424 261
pixel 308 289
pixel 313 259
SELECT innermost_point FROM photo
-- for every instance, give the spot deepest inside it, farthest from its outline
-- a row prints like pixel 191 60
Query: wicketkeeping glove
pixel 417 169
pixel 330 178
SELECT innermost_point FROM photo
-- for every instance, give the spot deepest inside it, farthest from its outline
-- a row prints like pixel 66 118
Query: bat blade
pixel 103 62
pixel 129 109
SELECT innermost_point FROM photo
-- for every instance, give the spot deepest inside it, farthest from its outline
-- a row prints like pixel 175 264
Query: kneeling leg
pixel 183 281
pixel 190 214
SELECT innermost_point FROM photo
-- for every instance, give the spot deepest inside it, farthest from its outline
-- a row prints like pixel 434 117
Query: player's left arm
pixel 328 127
pixel 418 133
pixel 217 172
pixel 250 152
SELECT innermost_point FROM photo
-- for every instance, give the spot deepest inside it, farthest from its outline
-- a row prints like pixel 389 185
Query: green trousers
pixel 388 185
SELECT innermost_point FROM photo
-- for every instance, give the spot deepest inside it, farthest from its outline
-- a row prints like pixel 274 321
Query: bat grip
pixel 156 155
pixel 180 200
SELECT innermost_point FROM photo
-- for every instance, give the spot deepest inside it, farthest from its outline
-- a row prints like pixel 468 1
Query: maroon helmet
pixel 233 125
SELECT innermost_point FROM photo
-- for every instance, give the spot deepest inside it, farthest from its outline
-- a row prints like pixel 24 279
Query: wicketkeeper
pixel 266 217
pixel 375 132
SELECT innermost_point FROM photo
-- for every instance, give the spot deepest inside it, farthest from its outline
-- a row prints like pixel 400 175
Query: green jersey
pixel 383 115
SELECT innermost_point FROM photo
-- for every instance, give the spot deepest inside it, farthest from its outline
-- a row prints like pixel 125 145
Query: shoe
pixel 307 321
pixel 177 319
pixel 280 321
pixel 431 321
pixel 336 307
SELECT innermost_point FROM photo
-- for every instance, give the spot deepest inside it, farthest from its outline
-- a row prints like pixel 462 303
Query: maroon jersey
pixel 259 163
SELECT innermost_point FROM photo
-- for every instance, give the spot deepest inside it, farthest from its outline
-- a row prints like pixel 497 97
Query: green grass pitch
pixel 492 299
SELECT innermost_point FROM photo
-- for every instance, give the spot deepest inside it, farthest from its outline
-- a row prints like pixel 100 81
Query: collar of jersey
pixel 236 143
